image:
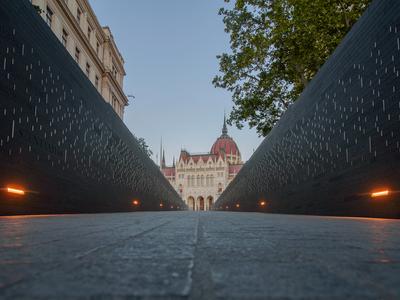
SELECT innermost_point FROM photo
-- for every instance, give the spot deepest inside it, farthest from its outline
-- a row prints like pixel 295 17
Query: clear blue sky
pixel 170 50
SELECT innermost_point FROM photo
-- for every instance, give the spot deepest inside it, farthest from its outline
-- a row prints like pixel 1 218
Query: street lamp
pixel 130 96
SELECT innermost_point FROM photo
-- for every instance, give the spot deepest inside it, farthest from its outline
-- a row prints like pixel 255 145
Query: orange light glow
pixel 161 205
pixel 136 202
pixel 15 191
pixel 263 203
pixel 237 205
pixel 380 194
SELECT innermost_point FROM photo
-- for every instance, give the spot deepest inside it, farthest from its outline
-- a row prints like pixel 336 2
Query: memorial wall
pixel 62 147
pixel 340 141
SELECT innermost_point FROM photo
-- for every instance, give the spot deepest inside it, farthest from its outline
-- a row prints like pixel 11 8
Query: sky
pixel 170 50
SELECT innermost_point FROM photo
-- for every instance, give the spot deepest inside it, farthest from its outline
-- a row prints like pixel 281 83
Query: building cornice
pixel 114 49
pixel 116 86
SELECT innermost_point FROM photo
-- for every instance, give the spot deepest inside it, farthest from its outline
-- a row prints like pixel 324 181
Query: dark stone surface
pixel 341 139
pixel 199 255
pixel 58 138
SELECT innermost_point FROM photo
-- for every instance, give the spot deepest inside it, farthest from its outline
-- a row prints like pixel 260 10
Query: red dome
pixel 225 145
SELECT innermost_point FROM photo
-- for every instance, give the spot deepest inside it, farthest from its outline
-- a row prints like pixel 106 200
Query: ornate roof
pixel 225 144
pixel 168 171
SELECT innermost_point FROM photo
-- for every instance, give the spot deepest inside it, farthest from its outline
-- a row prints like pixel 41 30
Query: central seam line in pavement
pixel 202 285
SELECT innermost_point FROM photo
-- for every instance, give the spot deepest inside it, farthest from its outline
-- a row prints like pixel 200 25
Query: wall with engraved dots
pixel 340 141
pixel 59 140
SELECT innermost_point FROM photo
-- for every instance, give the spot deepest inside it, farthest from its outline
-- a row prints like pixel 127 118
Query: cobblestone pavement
pixel 205 255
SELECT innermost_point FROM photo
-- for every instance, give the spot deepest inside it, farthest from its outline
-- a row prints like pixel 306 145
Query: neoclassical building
pixel 200 178
pixel 91 45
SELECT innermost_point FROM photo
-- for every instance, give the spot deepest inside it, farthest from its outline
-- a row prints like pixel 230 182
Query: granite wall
pixel 340 141
pixel 59 140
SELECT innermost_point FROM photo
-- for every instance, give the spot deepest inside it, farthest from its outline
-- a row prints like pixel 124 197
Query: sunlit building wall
pixel 91 45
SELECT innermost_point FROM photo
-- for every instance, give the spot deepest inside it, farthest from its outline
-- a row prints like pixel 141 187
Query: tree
pixel 143 145
pixel 277 47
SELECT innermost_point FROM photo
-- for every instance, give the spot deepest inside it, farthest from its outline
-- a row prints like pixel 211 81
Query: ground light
pixel 237 205
pixel 380 193
pixel 263 203
pixel 136 202
pixel 15 191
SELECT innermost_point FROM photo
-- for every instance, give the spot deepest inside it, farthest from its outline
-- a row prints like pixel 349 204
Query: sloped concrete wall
pixel 341 139
pixel 59 140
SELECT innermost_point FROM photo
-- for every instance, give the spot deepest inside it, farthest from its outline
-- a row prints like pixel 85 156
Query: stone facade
pixel 200 178
pixel 91 45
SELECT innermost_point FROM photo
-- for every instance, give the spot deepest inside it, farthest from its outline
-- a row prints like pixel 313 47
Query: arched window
pixel 202 180
pixel 198 180
pixel 188 181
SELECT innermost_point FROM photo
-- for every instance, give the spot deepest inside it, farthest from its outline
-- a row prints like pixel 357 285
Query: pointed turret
pixel 163 160
pixel 224 128
pixel 161 151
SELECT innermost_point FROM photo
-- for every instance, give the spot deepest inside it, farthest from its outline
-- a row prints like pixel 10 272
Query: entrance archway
pixel 190 203
pixel 210 202
pixel 200 203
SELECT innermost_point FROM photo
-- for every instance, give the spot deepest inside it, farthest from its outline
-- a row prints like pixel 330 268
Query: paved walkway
pixel 199 255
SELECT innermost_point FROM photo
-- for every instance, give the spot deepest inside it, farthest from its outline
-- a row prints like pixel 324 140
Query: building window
pixel 113 101
pixel 114 71
pixel 89 33
pixel 64 38
pixel 87 69
pixel 96 82
pixel 97 47
pixel 78 15
pixel 77 54
pixel 49 16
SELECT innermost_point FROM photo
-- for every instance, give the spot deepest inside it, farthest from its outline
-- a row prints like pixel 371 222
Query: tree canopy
pixel 143 145
pixel 277 46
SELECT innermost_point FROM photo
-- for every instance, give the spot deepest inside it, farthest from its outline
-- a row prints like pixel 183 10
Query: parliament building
pixel 201 178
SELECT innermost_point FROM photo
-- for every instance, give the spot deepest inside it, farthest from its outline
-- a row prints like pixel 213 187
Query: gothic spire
pixel 161 151
pixel 224 128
